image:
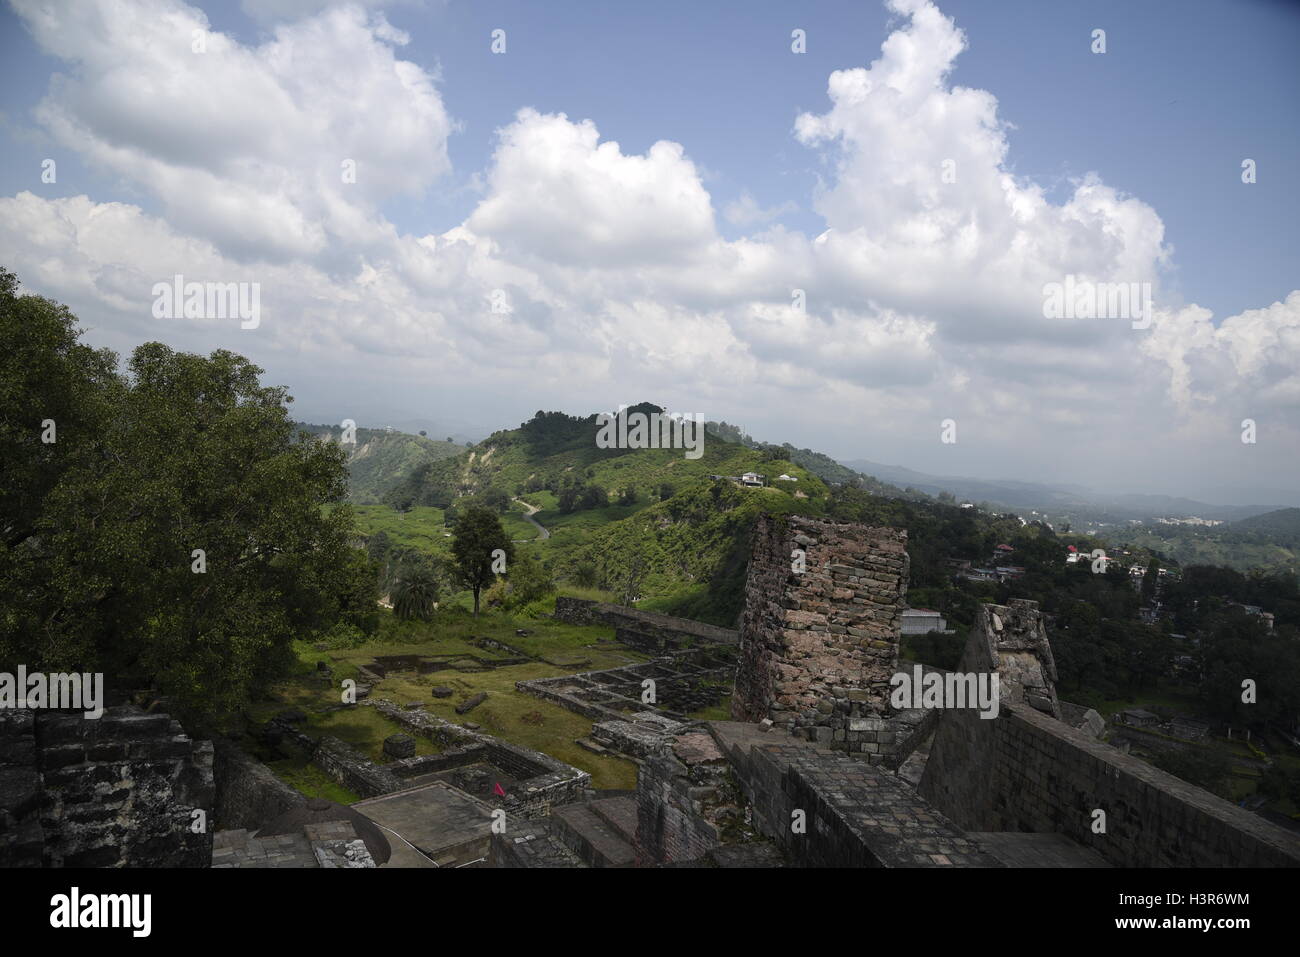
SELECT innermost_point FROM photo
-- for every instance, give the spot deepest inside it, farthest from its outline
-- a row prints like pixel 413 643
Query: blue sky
pixel 1185 91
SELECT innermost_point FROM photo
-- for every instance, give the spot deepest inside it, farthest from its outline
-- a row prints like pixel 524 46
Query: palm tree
pixel 415 593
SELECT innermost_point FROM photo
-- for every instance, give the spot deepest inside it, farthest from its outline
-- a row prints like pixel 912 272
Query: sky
pixel 848 248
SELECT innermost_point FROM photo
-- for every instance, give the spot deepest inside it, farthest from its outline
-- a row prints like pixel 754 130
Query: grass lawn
pixel 718 712
pixel 587 518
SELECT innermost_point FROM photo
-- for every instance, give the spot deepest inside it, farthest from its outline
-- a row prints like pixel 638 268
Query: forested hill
pixel 1270 541
pixel 823 466
pixel 1281 527
pixel 381 458
pixel 558 453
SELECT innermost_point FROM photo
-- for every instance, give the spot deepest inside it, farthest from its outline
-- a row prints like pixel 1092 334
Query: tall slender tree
pixel 477 544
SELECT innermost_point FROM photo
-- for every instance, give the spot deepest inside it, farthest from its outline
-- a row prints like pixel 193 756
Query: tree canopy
pixel 168 529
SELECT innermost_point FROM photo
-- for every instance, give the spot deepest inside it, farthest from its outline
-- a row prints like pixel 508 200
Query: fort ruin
pixel 816 769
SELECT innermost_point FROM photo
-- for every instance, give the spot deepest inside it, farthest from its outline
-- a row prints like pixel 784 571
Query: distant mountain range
pixel 1075 501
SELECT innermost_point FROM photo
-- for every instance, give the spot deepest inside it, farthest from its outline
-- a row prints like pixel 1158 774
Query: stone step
pixel 620 813
pixel 561 855
pixel 592 838
pixel 534 844
pixel 592 746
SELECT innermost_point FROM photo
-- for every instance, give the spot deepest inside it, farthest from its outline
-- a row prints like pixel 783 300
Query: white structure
pixel 922 621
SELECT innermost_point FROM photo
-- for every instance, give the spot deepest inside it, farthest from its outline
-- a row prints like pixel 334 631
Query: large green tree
pixel 171 534
pixel 529 579
pixel 477 537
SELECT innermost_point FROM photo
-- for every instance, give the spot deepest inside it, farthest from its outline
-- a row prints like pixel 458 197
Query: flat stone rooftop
pixel 443 822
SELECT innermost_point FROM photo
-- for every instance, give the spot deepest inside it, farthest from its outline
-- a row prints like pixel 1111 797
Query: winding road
pixel 530 510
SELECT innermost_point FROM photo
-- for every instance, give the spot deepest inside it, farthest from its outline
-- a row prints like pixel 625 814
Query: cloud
pixel 923 295
pixel 745 211
pixel 1249 363
pixel 924 214
pixel 556 192
pixel 280 11
pixel 245 146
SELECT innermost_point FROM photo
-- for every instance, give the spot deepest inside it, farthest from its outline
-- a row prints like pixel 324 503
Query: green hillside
pixel 647 524
pixel 823 466
pixel 553 452
pixel 381 458
pixel 1281 527
pixel 1270 541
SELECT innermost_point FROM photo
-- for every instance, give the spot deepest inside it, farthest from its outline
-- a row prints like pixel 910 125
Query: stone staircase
pixel 601 833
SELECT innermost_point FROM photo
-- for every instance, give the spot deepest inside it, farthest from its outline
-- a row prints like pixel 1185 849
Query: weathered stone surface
pixel 819 646
pixel 646 631
pixel 248 792
pixel 118 791
pixel 470 704
pixel 399 746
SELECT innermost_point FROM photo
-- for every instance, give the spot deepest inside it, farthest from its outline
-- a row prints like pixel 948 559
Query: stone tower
pixel 818 645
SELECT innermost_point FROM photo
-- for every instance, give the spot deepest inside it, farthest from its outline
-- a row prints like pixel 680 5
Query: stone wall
pixel 1025 770
pixel 117 791
pixel 1036 774
pixel 248 794
pixel 575 611
pixel 647 631
pixel 353 769
pixel 817 648
pixel 686 681
pixel 547 782
pixel 1011 640
pixel 676 789
pixel 854 815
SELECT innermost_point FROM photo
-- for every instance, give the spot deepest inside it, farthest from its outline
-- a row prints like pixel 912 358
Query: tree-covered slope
pixel 382 458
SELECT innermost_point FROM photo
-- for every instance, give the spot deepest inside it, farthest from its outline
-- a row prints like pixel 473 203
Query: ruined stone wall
pixel 1011 640
pixel 354 770
pixel 547 782
pixel 575 611
pixel 248 794
pixel 1046 776
pixel 117 791
pixel 817 648
pixel 852 815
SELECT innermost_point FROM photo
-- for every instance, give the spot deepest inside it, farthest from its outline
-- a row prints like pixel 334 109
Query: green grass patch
pixel 306 778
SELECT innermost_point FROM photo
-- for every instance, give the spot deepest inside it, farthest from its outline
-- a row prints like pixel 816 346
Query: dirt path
pixel 531 510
